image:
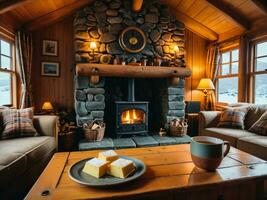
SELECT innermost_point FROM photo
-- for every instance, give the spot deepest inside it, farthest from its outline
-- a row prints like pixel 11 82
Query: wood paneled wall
pixel 8 24
pixel 196 53
pixel 58 90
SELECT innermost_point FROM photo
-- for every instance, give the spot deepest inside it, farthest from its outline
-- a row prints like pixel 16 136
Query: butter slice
pixel 109 155
pixel 121 168
pixel 95 167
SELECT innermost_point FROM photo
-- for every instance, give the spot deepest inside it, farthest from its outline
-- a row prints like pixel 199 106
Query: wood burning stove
pixel 131 118
pixel 131 115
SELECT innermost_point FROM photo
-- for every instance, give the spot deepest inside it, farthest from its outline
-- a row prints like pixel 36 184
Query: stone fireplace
pixel 156 100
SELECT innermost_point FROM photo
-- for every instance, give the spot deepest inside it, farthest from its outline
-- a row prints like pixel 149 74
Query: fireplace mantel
pixel 130 71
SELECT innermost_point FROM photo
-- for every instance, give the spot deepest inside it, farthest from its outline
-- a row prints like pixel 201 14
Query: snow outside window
pixel 6 67
pixel 260 73
pixel 227 78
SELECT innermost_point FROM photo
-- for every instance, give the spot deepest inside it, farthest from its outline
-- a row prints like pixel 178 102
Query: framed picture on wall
pixel 50 69
pixel 50 48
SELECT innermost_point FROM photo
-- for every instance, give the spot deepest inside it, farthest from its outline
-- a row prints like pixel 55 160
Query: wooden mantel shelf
pixel 130 71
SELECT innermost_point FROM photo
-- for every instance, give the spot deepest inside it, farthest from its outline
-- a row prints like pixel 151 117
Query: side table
pixel 192 120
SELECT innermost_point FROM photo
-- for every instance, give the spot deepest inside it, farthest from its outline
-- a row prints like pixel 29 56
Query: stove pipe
pixel 131 90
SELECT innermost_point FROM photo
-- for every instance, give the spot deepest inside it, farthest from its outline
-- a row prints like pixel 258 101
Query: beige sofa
pixel 241 139
pixel 22 160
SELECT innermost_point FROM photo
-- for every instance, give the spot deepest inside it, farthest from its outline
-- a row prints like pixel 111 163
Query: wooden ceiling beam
pixel 195 26
pixel 55 16
pixel 261 4
pixel 8 5
pixel 231 13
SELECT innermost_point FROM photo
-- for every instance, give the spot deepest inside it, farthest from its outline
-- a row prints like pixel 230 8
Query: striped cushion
pixel 2 108
pixel 17 123
pixel 260 126
pixel 232 118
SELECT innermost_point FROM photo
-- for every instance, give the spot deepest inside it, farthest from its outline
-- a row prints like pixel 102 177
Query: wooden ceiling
pixel 220 18
pixel 212 19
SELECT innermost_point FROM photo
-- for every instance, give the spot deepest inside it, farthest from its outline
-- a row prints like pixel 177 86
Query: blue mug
pixel 208 152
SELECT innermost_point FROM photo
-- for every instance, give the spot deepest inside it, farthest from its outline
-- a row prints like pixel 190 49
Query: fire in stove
pixel 133 116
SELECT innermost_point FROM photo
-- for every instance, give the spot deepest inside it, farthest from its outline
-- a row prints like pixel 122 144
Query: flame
pixel 132 117
pixel 127 117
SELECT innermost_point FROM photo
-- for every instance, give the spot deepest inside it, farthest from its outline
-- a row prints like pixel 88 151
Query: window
pixel 6 72
pixel 259 73
pixel 227 77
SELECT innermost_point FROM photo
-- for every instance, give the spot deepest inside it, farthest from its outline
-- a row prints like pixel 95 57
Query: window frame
pixel 230 75
pixel 11 71
pixel 253 72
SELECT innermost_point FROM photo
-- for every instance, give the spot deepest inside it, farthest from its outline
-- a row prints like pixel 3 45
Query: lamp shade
pixel 47 106
pixel 205 84
pixel 176 48
pixel 92 45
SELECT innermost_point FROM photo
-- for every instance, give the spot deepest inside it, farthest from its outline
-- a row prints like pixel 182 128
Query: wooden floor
pixel 170 175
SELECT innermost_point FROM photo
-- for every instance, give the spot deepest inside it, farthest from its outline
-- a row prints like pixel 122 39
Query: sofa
pixel 241 139
pixel 22 160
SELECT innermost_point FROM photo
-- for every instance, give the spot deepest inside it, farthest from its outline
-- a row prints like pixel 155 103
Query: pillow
pixel 17 123
pixel 2 108
pixel 232 118
pixel 260 126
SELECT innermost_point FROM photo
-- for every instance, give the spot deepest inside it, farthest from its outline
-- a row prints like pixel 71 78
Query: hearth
pixel 131 115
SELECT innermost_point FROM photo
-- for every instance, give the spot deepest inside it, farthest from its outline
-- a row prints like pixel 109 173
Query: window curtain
pixel 212 65
pixel 24 65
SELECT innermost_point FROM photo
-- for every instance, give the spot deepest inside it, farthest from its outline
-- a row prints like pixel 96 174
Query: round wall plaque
pixel 132 39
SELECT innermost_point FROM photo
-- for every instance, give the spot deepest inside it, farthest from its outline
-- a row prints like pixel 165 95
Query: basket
pixel 178 128
pixel 94 135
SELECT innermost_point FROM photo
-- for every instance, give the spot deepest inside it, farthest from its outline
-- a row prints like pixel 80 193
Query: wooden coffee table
pixel 170 175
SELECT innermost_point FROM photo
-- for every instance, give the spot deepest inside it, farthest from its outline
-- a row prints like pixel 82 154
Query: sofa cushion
pixel 260 126
pixel 255 145
pixel 228 134
pixel 17 123
pixel 16 155
pixel 232 118
pixel 253 114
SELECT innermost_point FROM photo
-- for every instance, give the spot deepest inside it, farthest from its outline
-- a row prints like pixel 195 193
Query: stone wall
pixel 89 100
pixel 102 22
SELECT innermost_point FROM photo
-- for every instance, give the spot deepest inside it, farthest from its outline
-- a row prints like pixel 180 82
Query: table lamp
pixel 205 84
pixel 47 106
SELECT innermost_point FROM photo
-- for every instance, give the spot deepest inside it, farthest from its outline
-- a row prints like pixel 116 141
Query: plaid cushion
pixel 260 126
pixel 232 118
pixel 17 123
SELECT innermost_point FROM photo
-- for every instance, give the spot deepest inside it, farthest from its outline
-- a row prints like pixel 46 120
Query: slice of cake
pixel 95 167
pixel 109 155
pixel 121 168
